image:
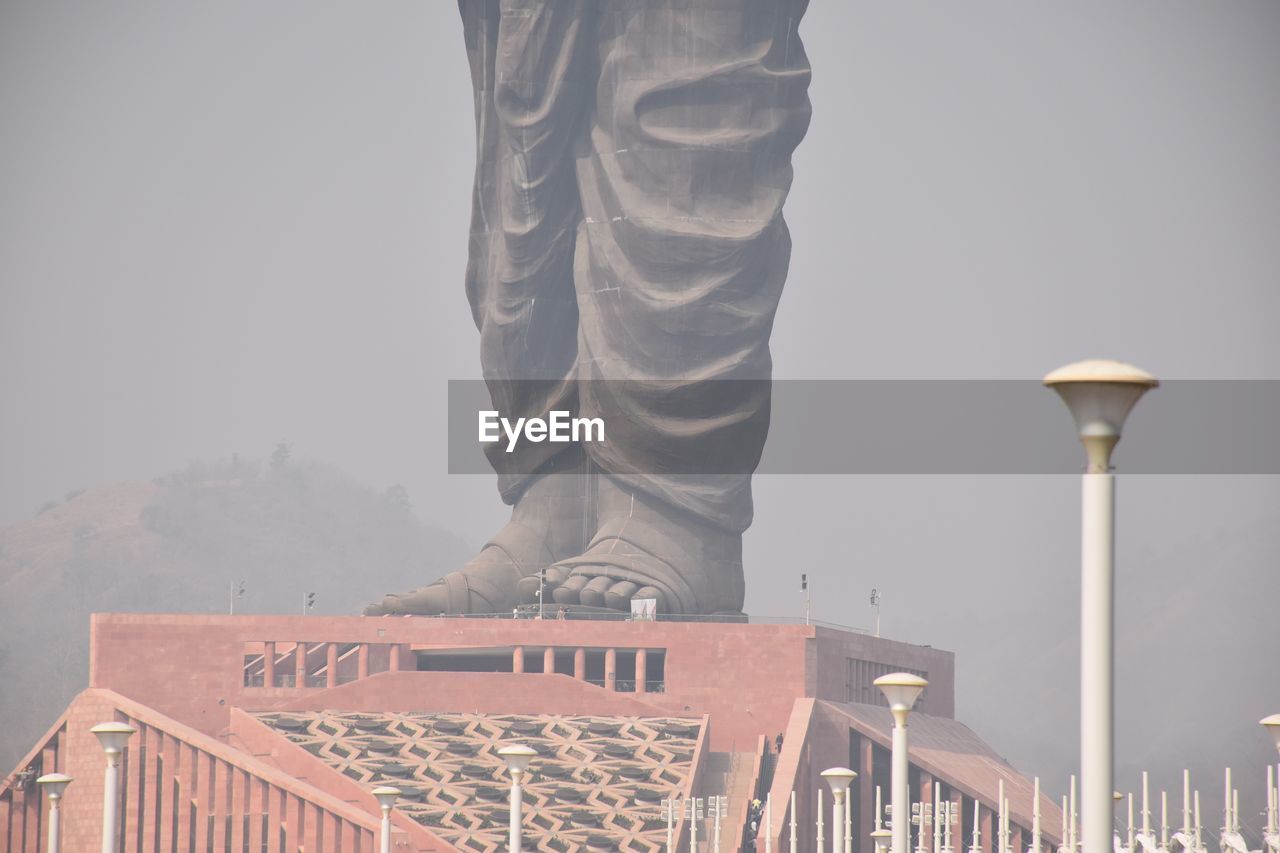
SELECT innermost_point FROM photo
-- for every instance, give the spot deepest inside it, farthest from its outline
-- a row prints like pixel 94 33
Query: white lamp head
pixel 386 796
pixel 901 690
pixel 1100 394
pixel 1272 725
pixel 517 757
pixel 839 778
pixel 882 838
pixel 54 784
pixel 113 736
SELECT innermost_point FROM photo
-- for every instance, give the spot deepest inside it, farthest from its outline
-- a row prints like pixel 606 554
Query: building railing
pixel 530 611
pixel 323 664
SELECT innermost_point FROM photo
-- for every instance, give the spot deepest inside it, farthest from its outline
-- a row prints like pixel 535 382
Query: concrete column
pixel 331 664
pixel 642 669
pixel 300 665
pixel 610 669
pixel 268 664
pixel 517 659
pixel 548 660
pixel 957 805
pixel 348 833
pixel 198 767
pixel 238 835
pixel 362 661
pixel 218 781
pixel 394 663
pixel 580 664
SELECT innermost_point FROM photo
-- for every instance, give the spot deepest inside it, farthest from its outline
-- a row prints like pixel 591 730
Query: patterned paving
pixel 596 784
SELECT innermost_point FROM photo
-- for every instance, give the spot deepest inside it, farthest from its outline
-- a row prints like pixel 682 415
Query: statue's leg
pixel 533 81
pixel 680 264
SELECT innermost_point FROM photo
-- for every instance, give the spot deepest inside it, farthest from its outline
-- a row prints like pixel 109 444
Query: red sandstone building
pixel 268 734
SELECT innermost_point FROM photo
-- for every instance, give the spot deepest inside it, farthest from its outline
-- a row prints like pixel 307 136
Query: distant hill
pixel 178 544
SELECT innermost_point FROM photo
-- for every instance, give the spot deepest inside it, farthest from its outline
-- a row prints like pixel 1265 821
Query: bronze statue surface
pixel 633 157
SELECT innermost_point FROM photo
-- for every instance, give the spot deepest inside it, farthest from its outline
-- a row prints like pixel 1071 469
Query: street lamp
pixel 901 690
pixel 517 758
pixel 1100 395
pixel 882 839
pixel 386 797
pixel 113 737
pixel 839 778
pixel 1272 725
pixel 1272 836
pixel 53 784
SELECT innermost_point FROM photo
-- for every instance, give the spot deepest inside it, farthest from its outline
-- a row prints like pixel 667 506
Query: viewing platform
pixel 271 732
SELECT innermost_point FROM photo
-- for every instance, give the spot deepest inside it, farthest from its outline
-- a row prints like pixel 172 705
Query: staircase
pixel 726 774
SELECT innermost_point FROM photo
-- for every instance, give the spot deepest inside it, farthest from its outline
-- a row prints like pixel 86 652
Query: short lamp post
pixel 1100 395
pixel 386 797
pixel 53 784
pixel 517 758
pixel 882 839
pixel 901 690
pixel 839 778
pixel 113 737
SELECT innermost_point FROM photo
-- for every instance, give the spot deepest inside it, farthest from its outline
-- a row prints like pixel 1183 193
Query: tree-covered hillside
pixel 183 543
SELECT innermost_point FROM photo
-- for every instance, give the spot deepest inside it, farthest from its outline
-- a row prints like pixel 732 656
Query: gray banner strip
pixel 912 427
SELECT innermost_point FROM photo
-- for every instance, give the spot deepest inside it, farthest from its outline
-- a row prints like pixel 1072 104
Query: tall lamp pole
pixel 839 778
pixel 386 797
pixel 53 784
pixel 1272 839
pixel 113 737
pixel 1100 395
pixel 901 690
pixel 517 758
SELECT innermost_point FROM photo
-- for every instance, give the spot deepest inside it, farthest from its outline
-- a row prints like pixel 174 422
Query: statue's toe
pixel 592 595
pixel 618 595
pixel 570 591
pixel 654 593
pixel 528 585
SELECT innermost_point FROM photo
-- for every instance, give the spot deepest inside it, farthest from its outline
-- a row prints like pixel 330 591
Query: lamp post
pixel 1035 817
pixel 848 824
pixel 839 778
pixel 882 839
pixel 53 784
pixel 517 758
pixel 1100 395
pixel 386 797
pixel 901 690
pixel 113 737
pixel 1272 725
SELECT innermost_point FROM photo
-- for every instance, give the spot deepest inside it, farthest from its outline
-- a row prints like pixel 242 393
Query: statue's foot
pixel 545 526
pixel 645 549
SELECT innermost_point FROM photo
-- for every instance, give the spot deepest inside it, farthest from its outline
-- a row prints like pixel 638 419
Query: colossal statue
pixel 627 251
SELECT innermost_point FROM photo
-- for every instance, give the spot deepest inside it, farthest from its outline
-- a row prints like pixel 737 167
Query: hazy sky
pixel 228 224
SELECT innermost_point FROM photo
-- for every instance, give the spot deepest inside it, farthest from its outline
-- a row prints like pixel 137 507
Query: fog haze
pixel 224 226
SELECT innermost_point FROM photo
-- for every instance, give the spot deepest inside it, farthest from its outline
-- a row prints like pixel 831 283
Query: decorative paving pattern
pixel 597 783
